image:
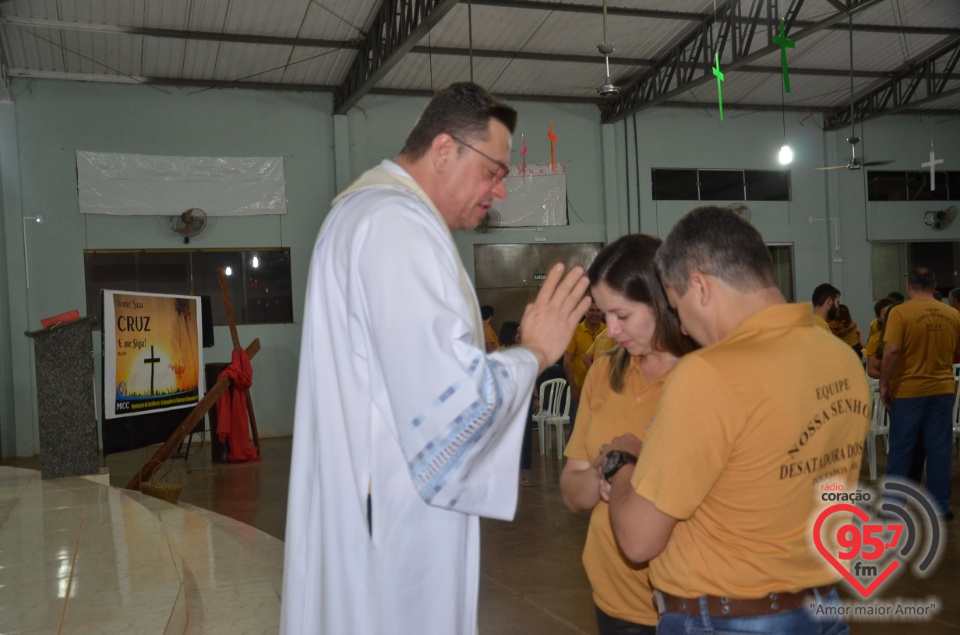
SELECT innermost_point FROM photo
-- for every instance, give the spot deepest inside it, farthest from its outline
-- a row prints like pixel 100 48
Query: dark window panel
pixel 106 271
pixel 721 185
pixel 259 294
pixel 884 185
pixel 918 186
pixel 206 282
pixel 939 256
pixel 953 185
pixel 675 185
pixel 269 293
pixel 164 272
pixel 767 185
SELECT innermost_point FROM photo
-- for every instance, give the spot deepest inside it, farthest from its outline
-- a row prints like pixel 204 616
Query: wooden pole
pixel 236 346
pixel 178 435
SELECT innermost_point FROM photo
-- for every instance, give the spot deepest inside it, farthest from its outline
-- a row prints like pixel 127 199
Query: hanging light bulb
pixel 228 271
pixel 786 154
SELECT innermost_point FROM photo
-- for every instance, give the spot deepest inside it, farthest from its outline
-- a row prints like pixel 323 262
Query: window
pixel 259 280
pixel 675 185
pixel 767 185
pixel 914 185
pixel 720 185
pixel 782 256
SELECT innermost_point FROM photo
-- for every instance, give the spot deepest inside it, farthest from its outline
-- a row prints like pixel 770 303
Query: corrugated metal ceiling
pixel 525 48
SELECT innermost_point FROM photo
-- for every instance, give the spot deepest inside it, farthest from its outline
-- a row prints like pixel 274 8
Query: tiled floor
pixel 533 582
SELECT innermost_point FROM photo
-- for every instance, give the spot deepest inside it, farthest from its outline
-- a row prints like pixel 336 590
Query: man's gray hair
pixel 717 242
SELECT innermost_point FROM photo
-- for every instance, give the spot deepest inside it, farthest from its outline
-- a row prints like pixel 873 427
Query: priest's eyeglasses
pixel 503 170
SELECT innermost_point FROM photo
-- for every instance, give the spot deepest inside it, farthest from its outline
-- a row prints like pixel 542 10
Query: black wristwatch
pixel 613 461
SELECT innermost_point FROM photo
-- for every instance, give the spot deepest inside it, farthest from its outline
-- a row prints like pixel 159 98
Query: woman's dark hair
pixel 626 266
pixel 843 314
pixel 508 333
pixel 882 304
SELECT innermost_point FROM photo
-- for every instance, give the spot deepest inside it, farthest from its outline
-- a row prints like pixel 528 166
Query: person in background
pixel 489 335
pixel 897 297
pixel 601 345
pixel 846 329
pixel 880 310
pixel 826 303
pixel 510 336
pixel 953 298
pixel 921 338
pixel 619 398
pixel 574 367
pixel 874 350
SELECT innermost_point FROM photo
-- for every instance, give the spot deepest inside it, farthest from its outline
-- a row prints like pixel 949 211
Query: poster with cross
pixel 152 352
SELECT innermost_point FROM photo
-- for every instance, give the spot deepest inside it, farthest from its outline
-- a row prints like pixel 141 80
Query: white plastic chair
pixel 879 427
pixel 550 395
pixel 560 420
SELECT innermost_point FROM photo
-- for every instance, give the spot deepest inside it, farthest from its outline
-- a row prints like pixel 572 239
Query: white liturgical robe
pixel 397 399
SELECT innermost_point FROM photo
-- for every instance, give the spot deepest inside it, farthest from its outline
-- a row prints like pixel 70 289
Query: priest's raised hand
pixel 549 320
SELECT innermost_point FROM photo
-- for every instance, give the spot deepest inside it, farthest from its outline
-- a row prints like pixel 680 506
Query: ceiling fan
pixel 608 89
pixel 853 139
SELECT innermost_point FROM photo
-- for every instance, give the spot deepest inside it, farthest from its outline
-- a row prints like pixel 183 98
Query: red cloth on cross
pixel 232 422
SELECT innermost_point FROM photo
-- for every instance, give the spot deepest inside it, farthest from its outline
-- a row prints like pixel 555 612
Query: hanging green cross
pixel 785 43
pixel 716 71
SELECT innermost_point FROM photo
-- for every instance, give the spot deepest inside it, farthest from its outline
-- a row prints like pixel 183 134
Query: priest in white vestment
pixel 406 430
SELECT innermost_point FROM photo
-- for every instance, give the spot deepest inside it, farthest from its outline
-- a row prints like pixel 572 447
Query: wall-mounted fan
pixel 609 89
pixel 940 219
pixel 189 223
pixel 740 210
pixel 489 222
pixel 853 139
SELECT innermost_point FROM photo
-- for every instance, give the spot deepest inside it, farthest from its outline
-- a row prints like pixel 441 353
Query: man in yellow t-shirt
pixel 573 366
pixel 826 304
pixel 916 384
pixel 953 298
pixel 602 345
pixel 491 341
pixel 723 498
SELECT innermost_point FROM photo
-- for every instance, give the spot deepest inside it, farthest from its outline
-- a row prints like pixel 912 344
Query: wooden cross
pixel 932 164
pixel 208 401
pixel 186 426
pixel 153 361
pixel 784 43
pixel 236 346
pixel 719 75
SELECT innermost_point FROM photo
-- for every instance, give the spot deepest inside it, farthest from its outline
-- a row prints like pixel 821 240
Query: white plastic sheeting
pixel 536 197
pixel 140 184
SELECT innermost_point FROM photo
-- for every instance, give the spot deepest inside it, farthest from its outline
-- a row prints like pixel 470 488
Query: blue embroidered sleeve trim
pixel 436 463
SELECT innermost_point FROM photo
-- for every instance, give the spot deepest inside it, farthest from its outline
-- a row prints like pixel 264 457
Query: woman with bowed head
pixel 619 399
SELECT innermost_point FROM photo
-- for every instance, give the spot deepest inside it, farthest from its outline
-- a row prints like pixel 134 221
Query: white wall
pixel 49 121
pixel 55 119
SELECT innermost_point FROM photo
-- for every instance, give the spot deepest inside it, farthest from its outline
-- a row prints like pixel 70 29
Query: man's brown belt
pixel 728 607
